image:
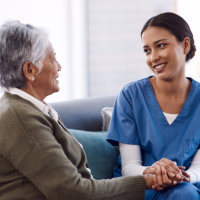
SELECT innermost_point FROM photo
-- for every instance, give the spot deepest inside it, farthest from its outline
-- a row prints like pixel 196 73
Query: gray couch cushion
pixel 83 114
pixel 101 155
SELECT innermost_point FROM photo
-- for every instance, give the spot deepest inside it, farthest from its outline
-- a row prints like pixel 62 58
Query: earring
pixel 32 78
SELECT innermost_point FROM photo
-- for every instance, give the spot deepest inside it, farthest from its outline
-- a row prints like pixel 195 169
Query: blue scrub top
pixel 138 119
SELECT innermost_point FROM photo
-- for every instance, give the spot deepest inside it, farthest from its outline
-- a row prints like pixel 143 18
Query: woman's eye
pixel 53 60
pixel 146 51
pixel 161 45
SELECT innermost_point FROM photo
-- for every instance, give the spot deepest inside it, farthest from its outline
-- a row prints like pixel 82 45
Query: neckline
pixel 158 108
pixel 170 117
pixel 170 114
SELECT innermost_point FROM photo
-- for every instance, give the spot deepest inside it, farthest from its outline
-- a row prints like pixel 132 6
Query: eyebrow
pixel 156 42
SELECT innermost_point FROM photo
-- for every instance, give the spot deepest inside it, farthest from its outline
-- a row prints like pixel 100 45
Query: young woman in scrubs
pixel 155 120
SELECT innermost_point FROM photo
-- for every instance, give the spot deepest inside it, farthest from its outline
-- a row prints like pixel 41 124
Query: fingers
pixel 149 180
pixel 156 178
pixel 166 180
pixel 156 186
pixel 148 170
pixel 170 166
pixel 166 174
pixel 186 176
pixel 161 179
pixel 173 170
pixel 181 167
pixel 158 172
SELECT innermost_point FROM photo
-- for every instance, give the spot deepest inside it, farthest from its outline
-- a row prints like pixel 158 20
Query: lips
pixel 57 77
pixel 159 68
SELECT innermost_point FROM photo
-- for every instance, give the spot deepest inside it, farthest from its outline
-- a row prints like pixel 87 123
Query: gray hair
pixel 20 43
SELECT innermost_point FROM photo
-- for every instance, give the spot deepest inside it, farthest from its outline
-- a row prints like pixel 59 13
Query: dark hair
pixel 176 25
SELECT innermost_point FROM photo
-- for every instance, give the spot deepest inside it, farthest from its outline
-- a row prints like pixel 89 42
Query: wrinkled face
pixel 164 54
pixel 46 80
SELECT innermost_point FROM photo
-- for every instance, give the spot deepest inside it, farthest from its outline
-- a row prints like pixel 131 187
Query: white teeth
pixel 159 66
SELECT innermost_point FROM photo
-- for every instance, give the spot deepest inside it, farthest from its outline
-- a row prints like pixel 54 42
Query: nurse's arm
pixel 194 169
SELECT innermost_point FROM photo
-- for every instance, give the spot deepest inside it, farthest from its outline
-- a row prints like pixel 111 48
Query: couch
pixel 83 118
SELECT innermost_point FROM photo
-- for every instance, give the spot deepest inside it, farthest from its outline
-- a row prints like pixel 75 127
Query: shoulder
pixel 19 118
pixel 132 89
pixel 14 104
pixel 195 83
pixel 15 109
pixel 137 85
pixel 133 93
pixel 195 89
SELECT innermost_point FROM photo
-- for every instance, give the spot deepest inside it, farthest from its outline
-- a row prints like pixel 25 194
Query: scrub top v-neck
pixel 138 119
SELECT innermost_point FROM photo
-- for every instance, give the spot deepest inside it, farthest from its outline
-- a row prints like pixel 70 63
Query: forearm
pixel 194 170
pixel 59 178
pixel 133 169
pixel 131 160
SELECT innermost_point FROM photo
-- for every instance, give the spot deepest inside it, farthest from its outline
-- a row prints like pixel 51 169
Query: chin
pixel 164 77
pixel 57 89
pixel 53 91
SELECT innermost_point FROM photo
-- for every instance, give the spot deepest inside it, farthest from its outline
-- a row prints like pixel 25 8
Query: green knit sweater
pixel 40 159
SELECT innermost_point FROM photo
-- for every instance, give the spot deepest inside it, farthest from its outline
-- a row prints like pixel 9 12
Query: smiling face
pixel 164 54
pixel 46 81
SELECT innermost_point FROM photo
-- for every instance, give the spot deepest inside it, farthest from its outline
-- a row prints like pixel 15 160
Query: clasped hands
pixel 165 173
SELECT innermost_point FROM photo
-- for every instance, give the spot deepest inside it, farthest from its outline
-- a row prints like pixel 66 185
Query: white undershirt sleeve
pixel 131 160
pixel 194 169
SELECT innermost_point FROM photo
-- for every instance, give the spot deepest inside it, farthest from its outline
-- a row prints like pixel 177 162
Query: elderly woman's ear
pixel 30 70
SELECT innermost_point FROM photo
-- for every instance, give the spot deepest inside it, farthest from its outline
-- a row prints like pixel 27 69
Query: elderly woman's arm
pixel 34 145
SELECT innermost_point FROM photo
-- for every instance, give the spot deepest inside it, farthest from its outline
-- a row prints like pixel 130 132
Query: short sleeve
pixel 122 126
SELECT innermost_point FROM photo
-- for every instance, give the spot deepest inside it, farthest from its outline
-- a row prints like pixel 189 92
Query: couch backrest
pixel 83 114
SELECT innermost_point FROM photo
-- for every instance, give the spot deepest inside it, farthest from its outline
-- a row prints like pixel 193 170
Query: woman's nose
pixel 154 56
pixel 59 66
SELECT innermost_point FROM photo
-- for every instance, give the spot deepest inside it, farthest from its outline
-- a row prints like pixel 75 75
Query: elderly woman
pixel 39 158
